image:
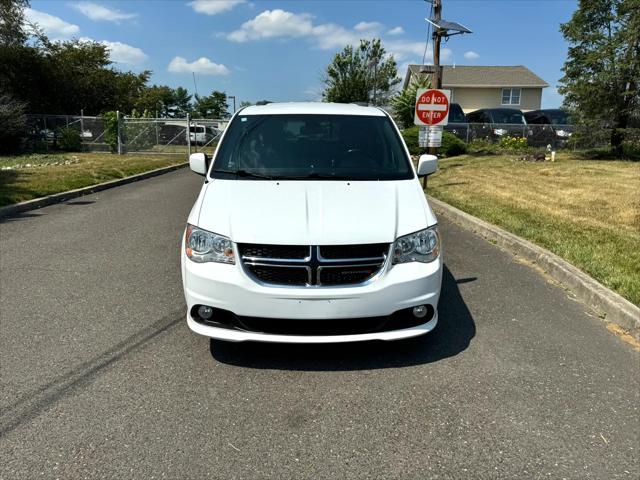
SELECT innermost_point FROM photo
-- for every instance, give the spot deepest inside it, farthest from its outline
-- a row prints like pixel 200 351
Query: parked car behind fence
pixel 549 127
pixel 494 123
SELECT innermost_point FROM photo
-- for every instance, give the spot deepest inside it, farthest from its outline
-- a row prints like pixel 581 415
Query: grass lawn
pixel 586 211
pixel 24 177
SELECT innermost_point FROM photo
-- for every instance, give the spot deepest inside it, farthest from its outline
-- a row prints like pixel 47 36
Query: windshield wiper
pixel 316 175
pixel 244 173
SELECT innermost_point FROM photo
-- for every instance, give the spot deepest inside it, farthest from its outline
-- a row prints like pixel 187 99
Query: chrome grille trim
pixel 315 264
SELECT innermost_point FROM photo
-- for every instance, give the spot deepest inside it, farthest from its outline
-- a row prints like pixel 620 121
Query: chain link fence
pixel 125 134
pixel 556 137
pixel 43 132
pixel 169 135
pixel 186 135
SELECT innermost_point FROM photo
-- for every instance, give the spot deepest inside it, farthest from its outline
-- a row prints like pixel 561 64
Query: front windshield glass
pixel 507 116
pixel 558 117
pixel 456 115
pixel 311 147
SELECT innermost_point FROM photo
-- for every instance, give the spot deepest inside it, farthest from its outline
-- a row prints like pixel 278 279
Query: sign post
pixel 432 107
pixel 431 114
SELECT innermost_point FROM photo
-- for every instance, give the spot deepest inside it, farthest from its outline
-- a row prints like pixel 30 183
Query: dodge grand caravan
pixel 311 227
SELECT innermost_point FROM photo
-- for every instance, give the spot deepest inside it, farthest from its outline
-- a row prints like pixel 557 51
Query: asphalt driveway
pixel 101 378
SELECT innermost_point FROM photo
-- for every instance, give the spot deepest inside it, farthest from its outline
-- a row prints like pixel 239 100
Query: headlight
pixel 202 246
pixel 422 246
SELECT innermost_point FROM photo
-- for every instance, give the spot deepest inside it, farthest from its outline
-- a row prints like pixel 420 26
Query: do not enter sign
pixel 432 107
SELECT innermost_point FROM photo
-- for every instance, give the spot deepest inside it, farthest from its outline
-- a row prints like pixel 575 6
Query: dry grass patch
pixel 25 177
pixel 586 211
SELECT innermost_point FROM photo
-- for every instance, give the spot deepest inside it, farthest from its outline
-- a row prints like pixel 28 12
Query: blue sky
pixel 277 50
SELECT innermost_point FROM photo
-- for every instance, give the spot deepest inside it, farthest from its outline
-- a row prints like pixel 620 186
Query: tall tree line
pixel 601 82
pixel 66 77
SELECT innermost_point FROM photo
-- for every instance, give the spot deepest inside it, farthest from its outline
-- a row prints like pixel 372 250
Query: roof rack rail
pixel 263 102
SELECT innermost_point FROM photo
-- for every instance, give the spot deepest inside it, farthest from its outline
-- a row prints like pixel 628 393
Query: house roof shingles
pixel 489 76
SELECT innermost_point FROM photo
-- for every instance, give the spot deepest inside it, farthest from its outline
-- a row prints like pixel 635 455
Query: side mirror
pixel 427 165
pixel 198 163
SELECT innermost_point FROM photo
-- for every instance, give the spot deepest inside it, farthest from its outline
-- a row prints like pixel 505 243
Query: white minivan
pixel 311 227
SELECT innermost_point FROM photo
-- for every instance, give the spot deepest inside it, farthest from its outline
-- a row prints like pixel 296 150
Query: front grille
pixel 280 275
pixel 306 266
pixel 296 252
pixel 346 275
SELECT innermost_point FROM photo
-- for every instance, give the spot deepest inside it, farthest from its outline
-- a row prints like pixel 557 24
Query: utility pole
pixel 437 73
pixel 437 38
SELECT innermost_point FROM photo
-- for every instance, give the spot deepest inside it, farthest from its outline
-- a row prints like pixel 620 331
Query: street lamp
pixel 234 102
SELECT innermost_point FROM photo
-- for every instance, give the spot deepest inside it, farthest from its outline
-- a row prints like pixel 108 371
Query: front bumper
pixel 229 288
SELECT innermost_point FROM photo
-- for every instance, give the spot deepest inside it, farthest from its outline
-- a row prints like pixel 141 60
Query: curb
pixel 616 309
pixel 16 208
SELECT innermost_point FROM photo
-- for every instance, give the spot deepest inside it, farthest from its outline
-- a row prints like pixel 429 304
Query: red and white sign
pixel 432 107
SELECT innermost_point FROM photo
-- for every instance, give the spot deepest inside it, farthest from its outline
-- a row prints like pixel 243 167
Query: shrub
pixel 69 139
pixel 513 144
pixel 451 145
pixel 13 124
pixel 110 121
pixel 410 136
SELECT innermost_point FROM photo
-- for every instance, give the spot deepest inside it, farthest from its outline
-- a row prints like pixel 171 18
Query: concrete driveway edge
pixel 609 304
pixel 16 208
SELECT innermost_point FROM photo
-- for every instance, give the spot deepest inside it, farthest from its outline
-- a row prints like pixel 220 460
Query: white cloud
pixel 213 7
pixel 471 55
pixel 396 31
pixel 54 27
pixel 273 24
pixel 367 26
pixel 121 52
pixel 278 23
pixel 283 24
pixel 330 35
pixel 202 65
pixel 97 12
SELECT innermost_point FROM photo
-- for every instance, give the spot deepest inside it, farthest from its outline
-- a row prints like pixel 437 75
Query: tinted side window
pixel 456 115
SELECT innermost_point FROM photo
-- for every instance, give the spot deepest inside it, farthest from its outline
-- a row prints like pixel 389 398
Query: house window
pixel 510 96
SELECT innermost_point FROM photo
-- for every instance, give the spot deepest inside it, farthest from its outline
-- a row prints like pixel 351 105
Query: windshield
pixel 456 115
pixel 558 117
pixel 507 116
pixel 301 147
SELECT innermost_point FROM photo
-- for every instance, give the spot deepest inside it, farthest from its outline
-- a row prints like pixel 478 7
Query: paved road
pixel 101 377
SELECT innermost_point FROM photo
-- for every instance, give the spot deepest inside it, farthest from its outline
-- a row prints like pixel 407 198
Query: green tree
pixel 404 104
pixel 60 77
pixel 361 74
pixel 602 72
pixel 12 28
pixel 245 103
pixel 12 123
pixel 211 106
pixel 157 98
pixel 181 102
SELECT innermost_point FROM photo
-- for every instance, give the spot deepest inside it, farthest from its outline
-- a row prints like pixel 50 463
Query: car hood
pixel 314 212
